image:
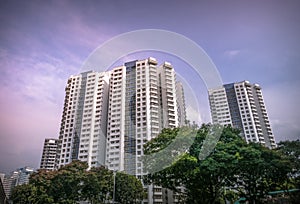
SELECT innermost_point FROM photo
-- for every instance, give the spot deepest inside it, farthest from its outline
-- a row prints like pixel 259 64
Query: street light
pixel 114 190
pixel 114 186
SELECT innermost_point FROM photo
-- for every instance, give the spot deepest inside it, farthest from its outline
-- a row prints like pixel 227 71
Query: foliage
pixel 261 170
pixel 40 182
pixel 67 182
pixel 167 148
pixel 73 183
pixel 291 149
pixel 245 170
pixel 213 163
pixel 128 189
pixel 98 185
pixel 23 194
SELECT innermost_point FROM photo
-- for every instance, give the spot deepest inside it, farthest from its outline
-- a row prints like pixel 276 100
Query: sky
pixel 42 43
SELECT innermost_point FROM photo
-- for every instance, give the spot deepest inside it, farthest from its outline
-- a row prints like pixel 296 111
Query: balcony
pixel 169 99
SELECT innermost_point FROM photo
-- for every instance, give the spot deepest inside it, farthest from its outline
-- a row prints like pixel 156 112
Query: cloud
pixel 31 98
pixel 194 101
pixel 282 103
pixel 231 53
pixel 285 130
pixel 37 55
pixel 193 114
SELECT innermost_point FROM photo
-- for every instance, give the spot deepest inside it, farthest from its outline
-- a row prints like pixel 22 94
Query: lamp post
pixel 114 191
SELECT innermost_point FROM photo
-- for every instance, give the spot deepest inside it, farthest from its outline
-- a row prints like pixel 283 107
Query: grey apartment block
pixel 49 154
pixel 15 178
pixel 242 106
pixel 181 108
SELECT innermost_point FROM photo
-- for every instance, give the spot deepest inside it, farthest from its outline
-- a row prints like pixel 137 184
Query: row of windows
pixel 140 64
pixel 117 78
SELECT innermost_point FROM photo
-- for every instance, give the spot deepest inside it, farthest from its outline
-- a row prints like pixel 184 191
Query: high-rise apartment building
pixel 83 126
pixel 24 174
pixel 242 106
pixel 142 101
pixel 109 116
pixel 15 178
pixel 49 154
pixel 10 182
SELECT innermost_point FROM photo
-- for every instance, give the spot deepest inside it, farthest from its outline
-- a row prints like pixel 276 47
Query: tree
pixel 98 185
pixel 128 189
pixel 204 180
pixel 23 194
pixel 261 170
pixel 291 149
pixel 67 182
pixel 209 170
pixel 218 170
pixel 41 183
pixel 73 183
pixel 168 147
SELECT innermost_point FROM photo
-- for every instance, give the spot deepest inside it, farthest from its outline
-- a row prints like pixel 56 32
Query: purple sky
pixel 43 43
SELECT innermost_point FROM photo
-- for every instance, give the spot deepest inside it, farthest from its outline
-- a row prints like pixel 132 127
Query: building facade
pixel 10 182
pixel 24 174
pixel 15 178
pixel 49 154
pixel 109 116
pixel 83 126
pixel 142 101
pixel 242 106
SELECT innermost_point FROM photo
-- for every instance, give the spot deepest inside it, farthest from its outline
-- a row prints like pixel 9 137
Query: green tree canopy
pixel 128 189
pixel 23 194
pixel 98 185
pixel 249 170
pixel 261 170
pixel 292 150
pixel 73 183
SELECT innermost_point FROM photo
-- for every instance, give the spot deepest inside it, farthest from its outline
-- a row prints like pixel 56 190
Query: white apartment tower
pixel 242 106
pixel 142 101
pixel 168 96
pixel 83 126
pixel 109 116
pixel 49 154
